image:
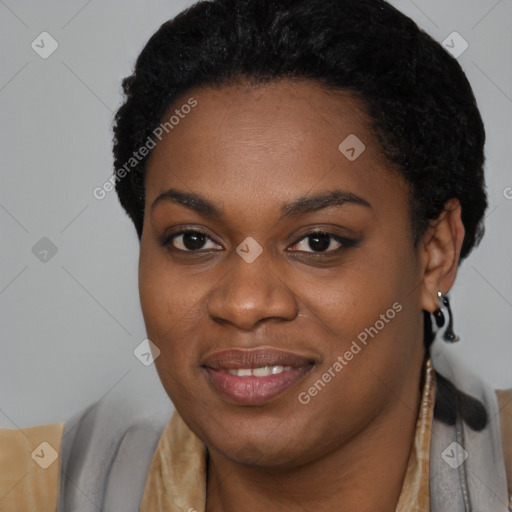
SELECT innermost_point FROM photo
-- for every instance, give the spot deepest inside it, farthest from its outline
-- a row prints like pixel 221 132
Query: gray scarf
pixel 107 449
pixel 467 468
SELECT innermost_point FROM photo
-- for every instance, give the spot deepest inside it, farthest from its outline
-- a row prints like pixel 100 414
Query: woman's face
pixel 279 345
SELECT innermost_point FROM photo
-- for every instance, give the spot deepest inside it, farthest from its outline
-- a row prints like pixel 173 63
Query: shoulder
pixel 106 453
pixel 101 454
pixel 29 467
pixel 505 400
pixel 504 397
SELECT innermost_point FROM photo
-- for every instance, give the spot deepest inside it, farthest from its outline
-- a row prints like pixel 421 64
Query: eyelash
pixel 345 242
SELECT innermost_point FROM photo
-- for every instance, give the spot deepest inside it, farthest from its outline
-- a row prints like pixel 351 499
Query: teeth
pixel 263 371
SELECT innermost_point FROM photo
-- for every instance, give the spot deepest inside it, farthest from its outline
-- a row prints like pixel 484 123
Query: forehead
pixel 270 141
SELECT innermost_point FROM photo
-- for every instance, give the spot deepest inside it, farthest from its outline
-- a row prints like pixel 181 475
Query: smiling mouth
pixel 262 371
pixel 255 377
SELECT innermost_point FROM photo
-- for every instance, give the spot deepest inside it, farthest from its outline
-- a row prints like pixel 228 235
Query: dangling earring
pixel 448 335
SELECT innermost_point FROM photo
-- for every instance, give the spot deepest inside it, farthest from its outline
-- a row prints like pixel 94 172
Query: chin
pixel 263 443
pixel 264 453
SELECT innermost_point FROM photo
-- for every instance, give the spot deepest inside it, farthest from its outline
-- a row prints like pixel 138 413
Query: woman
pixel 305 178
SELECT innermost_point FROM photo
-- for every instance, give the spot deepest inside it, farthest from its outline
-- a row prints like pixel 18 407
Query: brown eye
pixel 189 241
pixel 321 242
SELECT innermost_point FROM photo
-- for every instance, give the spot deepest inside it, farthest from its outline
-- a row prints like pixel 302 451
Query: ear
pixel 440 254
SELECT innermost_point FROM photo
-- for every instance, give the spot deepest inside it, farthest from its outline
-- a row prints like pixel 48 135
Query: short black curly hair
pixel 422 108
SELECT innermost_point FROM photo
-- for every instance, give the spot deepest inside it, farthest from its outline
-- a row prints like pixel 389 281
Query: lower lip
pixel 255 390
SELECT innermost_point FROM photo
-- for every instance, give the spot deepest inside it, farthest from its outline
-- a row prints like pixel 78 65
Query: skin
pixel 249 149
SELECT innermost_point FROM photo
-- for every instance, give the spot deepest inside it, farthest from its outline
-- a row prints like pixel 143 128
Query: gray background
pixel 70 324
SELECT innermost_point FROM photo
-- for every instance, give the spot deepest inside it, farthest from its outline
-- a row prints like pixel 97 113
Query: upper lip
pixel 255 358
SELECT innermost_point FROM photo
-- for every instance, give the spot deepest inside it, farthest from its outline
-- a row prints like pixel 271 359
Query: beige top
pixel 29 468
pixel 505 405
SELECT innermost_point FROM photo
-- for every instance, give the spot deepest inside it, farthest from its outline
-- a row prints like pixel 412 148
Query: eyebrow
pixel 295 208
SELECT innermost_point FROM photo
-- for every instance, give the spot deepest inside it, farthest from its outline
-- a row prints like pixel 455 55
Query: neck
pixel 365 474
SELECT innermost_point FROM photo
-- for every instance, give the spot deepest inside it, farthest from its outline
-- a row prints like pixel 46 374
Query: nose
pixel 251 293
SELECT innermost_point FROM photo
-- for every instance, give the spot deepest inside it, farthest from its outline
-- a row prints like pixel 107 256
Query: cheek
pixel 366 318
pixel 372 301
pixel 167 308
pixel 168 297
pixel 359 291
pixel 162 309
